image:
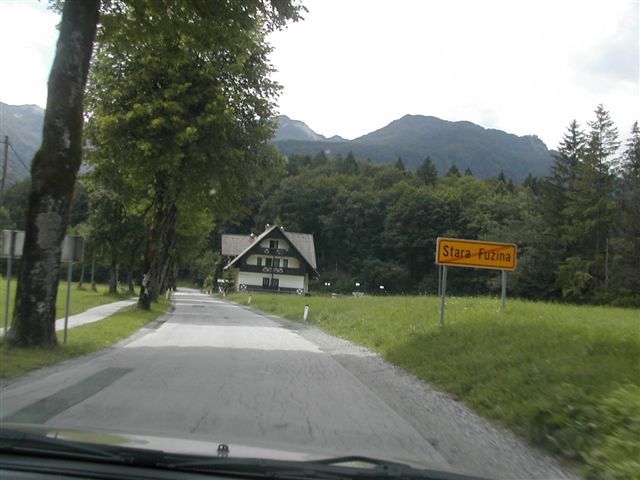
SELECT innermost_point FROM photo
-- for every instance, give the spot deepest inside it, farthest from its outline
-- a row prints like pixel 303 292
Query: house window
pixel 276 262
pixel 285 263
pixel 275 282
pixel 265 282
pixel 273 244
pixel 259 263
pixel 268 262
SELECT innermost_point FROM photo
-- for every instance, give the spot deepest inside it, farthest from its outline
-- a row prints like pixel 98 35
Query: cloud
pixel 27 44
pixel 618 57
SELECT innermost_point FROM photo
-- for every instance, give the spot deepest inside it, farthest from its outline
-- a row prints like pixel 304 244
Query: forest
pixel 577 229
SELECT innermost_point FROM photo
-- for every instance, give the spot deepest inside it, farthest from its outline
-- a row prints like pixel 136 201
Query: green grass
pixel 565 377
pixel 81 299
pixel 80 341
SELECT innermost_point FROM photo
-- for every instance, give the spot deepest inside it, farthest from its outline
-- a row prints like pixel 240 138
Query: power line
pixel 20 159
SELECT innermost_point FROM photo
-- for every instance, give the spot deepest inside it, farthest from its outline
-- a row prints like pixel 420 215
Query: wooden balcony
pixel 270 270
pixel 274 252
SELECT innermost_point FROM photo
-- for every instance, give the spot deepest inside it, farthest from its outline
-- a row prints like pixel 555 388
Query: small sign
pixel 457 252
pixel 17 241
pixel 72 249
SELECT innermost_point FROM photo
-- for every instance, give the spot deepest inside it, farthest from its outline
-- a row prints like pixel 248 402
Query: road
pixel 216 370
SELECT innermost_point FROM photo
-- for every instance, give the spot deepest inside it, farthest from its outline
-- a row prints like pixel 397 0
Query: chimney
pixel 252 238
pixel 267 227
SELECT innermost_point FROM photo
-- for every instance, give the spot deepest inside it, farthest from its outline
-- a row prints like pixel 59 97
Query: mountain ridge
pixel 485 151
pixel 23 125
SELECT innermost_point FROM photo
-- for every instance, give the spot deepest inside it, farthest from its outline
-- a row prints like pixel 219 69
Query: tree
pixel 625 245
pixel 412 224
pixel 453 171
pixel 348 166
pixel 590 209
pixel 427 172
pixel 116 227
pixel 184 111
pixel 53 173
pixel 400 164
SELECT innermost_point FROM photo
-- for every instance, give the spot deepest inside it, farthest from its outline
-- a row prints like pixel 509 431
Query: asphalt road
pixel 217 371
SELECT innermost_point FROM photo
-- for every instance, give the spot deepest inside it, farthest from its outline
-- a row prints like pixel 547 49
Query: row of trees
pixel 578 229
pixel 177 108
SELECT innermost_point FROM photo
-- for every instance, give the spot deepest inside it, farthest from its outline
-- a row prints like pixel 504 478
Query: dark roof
pixel 233 245
pixel 239 245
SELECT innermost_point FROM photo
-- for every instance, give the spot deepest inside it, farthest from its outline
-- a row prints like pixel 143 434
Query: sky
pixel 353 66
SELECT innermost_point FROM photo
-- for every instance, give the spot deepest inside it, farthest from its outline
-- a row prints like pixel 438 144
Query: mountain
pixel 413 137
pixel 23 125
pixel 289 129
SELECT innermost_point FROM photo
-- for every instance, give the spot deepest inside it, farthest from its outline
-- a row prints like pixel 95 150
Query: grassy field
pixel 565 377
pixel 81 340
pixel 81 299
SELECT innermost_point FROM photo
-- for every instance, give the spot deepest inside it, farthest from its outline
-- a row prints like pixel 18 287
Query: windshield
pixel 298 230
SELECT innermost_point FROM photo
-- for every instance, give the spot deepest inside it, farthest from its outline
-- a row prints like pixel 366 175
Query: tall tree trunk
pixel 130 279
pixel 160 246
pixel 132 261
pixel 81 281
pixel 93 272
pixel 53 175
pixel 113 276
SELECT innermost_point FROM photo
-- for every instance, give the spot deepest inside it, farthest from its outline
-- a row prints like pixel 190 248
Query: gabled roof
pixel 233 245
pixel 302 242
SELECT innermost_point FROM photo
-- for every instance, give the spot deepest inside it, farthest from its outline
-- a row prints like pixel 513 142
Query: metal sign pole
pixel 503 300
pixel 12 240
pixel 443 294
pixel 66 308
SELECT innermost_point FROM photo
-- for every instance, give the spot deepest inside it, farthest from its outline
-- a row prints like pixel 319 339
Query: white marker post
pixel 72 251
pixel 305 315
pixel 12 246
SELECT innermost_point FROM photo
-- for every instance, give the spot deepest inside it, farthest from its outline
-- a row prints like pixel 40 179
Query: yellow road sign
pixel 476 254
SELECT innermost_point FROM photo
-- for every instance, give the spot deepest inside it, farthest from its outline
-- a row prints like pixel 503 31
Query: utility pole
pixel 4 165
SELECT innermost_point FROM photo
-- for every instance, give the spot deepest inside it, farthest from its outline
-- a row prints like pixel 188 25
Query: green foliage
pixel 180 103
pixel 427 172
pixel 453 171
pixel 14 204
pixel 566 377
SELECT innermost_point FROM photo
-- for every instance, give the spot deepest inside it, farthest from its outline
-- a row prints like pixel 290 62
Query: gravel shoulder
pixel 467 442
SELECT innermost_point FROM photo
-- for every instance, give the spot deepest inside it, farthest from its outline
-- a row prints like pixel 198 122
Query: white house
pixel 275 260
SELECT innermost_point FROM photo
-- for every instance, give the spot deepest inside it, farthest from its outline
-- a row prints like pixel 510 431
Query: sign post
pixel 72 251
pixel 443 293
pixel 456 252
pixel 503 296
pixel 12 246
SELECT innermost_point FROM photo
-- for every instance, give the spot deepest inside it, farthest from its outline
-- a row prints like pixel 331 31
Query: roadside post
pixel 305 315
pixel 12 246
pixel 503 295
pixel 443 293
pixel 456 252
pixel 72 251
